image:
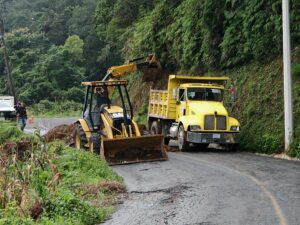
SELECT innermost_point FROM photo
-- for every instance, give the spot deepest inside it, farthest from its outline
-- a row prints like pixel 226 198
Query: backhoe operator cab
pixel 191 111
pixel 97 101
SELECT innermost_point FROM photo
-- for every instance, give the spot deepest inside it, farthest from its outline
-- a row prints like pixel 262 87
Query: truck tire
pixel 155 127
pixel 183 145
pixel 79 137
pixel 95 143
pixel 232 147
pixel 201 147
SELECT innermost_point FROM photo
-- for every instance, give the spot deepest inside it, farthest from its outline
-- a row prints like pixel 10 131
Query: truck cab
pixel 7 104
pixel 194 114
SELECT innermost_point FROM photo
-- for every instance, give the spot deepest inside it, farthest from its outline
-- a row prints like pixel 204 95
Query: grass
pixel 55 184
pixel 47 109
pixel 10 131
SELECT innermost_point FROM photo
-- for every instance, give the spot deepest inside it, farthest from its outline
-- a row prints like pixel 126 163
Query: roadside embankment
pixel 50 183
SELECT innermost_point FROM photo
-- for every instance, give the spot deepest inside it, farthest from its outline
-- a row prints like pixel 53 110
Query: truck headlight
pixel 195 128
pixel 235 128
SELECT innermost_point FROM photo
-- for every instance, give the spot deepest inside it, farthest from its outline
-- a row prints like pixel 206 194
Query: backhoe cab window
pixel 205 94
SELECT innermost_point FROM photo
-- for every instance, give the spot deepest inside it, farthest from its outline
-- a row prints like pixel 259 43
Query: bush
pixel 270 143
pixel 67 205
pixel 296 70
pixel 295 148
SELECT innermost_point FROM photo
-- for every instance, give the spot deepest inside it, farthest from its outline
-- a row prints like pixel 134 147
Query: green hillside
pixel 56 44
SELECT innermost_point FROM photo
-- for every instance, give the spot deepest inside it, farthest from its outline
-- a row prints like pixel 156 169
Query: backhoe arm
pixel 142 63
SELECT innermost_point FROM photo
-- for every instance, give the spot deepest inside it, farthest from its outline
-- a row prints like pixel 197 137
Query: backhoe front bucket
pixel 133 150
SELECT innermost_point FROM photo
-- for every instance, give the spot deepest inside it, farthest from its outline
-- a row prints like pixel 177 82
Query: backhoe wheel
pixel 183 145
pixel 155 127
pixel 79 137
pixel 166 140
pixel 95 143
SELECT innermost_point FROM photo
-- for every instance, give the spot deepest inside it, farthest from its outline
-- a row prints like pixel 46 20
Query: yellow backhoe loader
pixel 109 130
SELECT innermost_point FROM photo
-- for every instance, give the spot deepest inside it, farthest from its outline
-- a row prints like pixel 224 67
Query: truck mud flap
pixel 133 150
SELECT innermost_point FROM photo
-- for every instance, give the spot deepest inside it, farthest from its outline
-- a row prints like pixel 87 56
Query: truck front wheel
pixel 183 145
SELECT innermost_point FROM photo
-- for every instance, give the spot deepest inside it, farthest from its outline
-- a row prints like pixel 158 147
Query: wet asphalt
pixel 208 188
pixel 214 187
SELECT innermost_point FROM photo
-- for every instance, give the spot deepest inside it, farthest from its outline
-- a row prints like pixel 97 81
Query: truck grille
pixel 209 122
pixel 221 122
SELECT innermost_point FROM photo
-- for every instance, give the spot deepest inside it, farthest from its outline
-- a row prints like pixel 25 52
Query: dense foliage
pixel 197 36
pixel 53 46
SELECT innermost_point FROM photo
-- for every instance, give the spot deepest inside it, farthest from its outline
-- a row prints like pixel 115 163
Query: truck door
pixel 181 103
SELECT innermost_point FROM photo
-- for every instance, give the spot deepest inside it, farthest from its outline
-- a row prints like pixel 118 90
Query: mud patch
pixel 21 149
pixel 112 186
pixel 171 148
pixel 90 190
pixel 174 194
pixel 36 210
pixel 62 132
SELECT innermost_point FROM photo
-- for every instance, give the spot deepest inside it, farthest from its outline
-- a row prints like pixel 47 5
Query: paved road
pixel 208 188
pixel 45 124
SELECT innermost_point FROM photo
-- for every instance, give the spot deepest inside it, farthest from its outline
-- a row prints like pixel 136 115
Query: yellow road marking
pixel 268 194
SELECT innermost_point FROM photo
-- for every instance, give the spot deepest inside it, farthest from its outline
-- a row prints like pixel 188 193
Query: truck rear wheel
pixel 183 145
pixel 155 127
pixel 79 137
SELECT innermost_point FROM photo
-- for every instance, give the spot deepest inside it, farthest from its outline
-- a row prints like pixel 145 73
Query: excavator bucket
pixel 153 71
pixel 133 150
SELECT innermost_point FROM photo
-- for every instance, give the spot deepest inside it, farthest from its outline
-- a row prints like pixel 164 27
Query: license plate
pixel 216 136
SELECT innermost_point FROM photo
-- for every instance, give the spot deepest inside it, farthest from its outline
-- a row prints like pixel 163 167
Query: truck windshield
pixel 205 94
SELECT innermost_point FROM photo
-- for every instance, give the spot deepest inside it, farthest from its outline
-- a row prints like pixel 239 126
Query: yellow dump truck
pixel 191 111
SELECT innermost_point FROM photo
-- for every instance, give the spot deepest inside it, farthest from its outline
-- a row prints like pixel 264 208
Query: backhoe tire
pixel 79 137
pixel 183 145
pixel 155 127
pixel 166 140
pixel 95 143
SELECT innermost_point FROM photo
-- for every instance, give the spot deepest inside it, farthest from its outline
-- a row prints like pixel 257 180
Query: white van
pixel 7 108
